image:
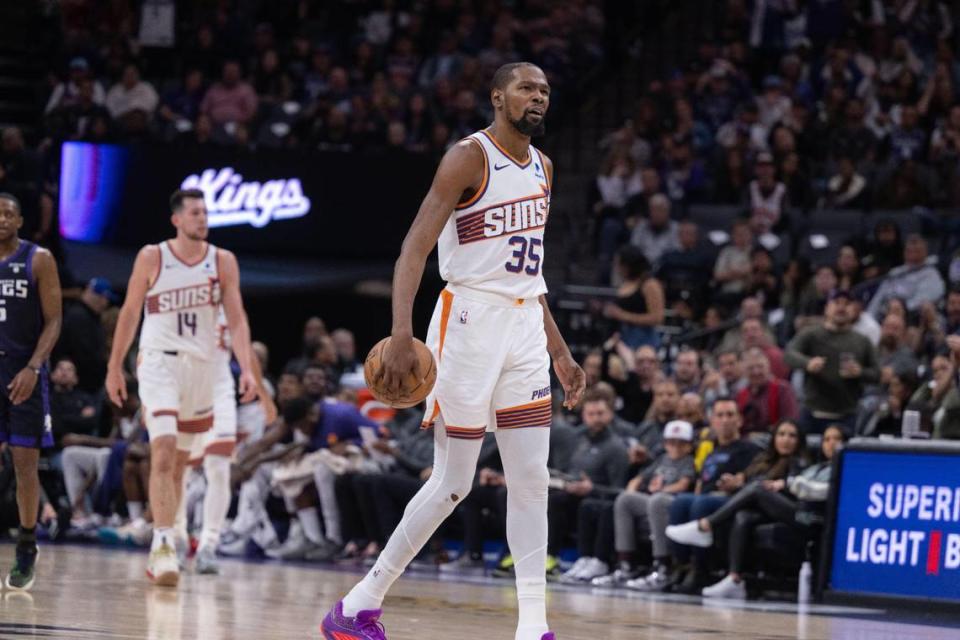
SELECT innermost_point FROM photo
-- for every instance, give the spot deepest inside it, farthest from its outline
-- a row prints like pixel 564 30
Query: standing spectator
pixel 733 269
pixel 640 301
pixel 232 99
pixel 915 282
pixel 767 196
pixel 766 400
pixel 65 93
pixel 837 362
pixel 132 98
pixel 83 338
pixel 656 235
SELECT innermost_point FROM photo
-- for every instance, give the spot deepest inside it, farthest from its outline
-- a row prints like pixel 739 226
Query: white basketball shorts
pixel 222 438
pixel 492 364
pixel 175 385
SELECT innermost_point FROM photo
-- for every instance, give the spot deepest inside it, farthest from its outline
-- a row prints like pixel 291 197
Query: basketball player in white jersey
pixel 215 448
pixel 492 336
pixel 178 286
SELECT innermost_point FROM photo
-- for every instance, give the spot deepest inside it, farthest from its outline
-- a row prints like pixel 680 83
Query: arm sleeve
pixel 796 354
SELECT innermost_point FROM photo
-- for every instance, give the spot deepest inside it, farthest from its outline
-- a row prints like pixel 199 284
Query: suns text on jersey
pixel 530 213
pixel 200 295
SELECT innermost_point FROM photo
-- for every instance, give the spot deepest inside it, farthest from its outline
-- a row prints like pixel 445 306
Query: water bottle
pixel 804 583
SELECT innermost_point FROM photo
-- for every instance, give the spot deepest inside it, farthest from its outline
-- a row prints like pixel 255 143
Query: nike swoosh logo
pixel 497 167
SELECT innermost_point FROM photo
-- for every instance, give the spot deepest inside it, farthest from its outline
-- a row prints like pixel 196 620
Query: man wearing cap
pixel 837 363
pixel 67 93
pixel 83 338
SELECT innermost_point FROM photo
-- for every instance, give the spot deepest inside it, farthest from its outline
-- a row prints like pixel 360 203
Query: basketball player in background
pixel 215 449
pixel 30 317
pixel 492 335
pixel 178 285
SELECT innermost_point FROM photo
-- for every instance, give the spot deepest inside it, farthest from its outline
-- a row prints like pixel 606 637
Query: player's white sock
pixel 216 502
pixel 135 509
pixel 161 536
pixel 524 455
pixel 311 524
pixel 455 462
pixel 180 521
pixel 324 479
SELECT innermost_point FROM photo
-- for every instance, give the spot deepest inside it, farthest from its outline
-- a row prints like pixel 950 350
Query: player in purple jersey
pixel 29 327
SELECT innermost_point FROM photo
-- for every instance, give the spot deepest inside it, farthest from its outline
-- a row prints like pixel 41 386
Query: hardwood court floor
pixel 94 593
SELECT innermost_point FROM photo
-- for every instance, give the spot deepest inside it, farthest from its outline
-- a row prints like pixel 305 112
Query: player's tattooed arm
pixel 460 174
pixel 48 285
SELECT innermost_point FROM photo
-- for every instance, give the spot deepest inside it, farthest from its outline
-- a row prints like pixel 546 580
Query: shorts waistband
pixel 495 299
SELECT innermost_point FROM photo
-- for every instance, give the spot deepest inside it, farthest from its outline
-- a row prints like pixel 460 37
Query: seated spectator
pixel 681 270
pixel 182 104
pixel 73 120
pixel 888 417
pixel 718 480
pixel 726 380
pixel 687 371
pixel 635 386
pixel 646 502
pixel 894 355
pixel 640 301
pixel 915 282
pixel 837 364
pixel 864 323
pixel 938 400
pixel 848 267
pixel 750 309
pixel 346 348
pixel 772 499
pixel 766 400
pixel 598 466
pixel 733 268
pixel 767 197
pixel 231 99
pixel 656 235
pixel 764 283
pixel 66 94
pixel 952 309
pixel 753 336
pixel 71 409
pixel 846 189
pixel 132 101
pixel 883 251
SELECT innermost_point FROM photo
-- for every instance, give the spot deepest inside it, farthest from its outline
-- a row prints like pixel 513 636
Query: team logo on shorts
pixel 463 317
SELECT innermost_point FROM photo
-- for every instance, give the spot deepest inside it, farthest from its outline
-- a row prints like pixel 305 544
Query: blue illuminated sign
pixel 897 529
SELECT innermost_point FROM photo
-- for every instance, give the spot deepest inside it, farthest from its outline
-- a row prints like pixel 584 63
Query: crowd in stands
pixel 314 75
pixel 684 452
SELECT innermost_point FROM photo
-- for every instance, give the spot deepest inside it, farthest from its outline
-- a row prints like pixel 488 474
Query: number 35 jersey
pixel 493 242
pixel 180 310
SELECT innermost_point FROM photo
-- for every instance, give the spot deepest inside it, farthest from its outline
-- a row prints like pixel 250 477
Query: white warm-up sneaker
pixel 727 588
pixel 689 533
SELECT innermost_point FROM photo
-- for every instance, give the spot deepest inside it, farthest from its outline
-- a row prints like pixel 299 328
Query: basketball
pixel 414 388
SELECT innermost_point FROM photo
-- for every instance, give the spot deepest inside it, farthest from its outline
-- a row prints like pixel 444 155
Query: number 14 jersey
pixel 493 242
pixel 180 310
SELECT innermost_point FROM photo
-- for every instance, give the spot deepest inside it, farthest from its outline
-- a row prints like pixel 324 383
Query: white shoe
pixel 727 588
pixel 594 569
pixel 573 573
pixel 233 545
pixel 656 581
pixel 162 567
pixel 689 533
pixel 206 562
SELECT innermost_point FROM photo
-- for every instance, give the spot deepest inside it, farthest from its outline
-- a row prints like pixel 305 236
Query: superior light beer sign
pixel 898 525
pixel 233 201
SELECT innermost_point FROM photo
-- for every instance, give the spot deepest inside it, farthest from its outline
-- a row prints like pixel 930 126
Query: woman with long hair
pixel 764 501
pixel 640 300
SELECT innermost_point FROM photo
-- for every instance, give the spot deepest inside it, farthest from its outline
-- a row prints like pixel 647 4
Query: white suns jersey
pixel 180 311
pixel 494 241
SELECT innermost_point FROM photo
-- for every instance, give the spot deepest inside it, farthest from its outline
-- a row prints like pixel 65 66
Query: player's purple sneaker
pixel 366 626
pixel 549 636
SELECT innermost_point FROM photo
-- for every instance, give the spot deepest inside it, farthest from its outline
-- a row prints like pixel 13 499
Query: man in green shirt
pixel 837 363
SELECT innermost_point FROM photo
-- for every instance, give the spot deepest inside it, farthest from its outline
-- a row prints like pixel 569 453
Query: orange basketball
pixel 414 388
